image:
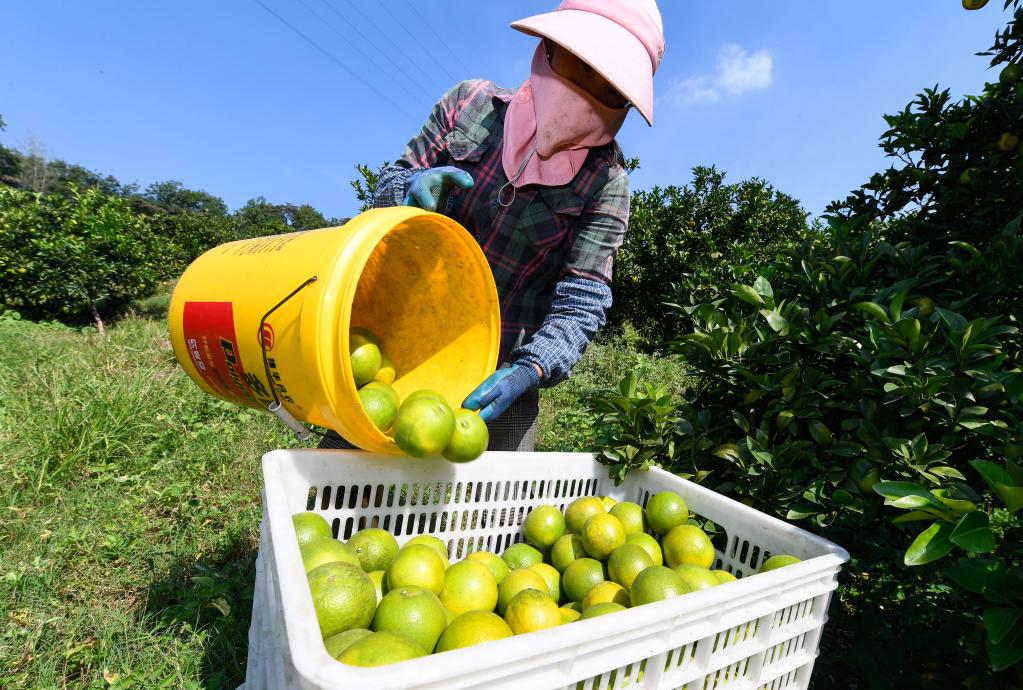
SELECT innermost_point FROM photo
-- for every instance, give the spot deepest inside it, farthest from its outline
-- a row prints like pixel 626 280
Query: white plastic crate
pixel 760 632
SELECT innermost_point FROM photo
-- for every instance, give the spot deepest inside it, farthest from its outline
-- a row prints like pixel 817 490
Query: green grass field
pixel 130 506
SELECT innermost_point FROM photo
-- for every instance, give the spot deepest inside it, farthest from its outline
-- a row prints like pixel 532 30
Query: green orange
pixel 417 565
pixel 602 609
pixel 1010 74
pixel 517 581
pixel 498 568
pixel 379 406
pixel 434 543
pixel 531 610
pixel 336 644
pixel 603 592
pixel 687 544
pixel 375 547
pixel 387 372
pixel 521 556
pixel 580 510
pixel 320 551
pixel 310 526
pixel 379 578
pixel 656 583
pixel 696 577
pixel 472 628
pixel 602 534
pixel 343 597
pixel 648 544
pixel 580 577
pixel 414 612
pixel 543 526
pixel 626 562
pixel 779 561
pixel 364 356
pixel 724 576
pixel 551 576
pixel 565 550
pixel 424 426
pixel 381 649
pixel 425 393
pixel 469 439
pixel 568 615
pixel 666 510
pixel 469 586
pixel 631 516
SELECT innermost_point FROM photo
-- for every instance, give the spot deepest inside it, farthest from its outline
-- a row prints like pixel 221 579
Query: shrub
pixel 690 240
pixel 880 358
pixel 62 258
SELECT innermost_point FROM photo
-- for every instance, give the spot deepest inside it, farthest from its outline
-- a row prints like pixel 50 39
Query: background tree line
pixel 77 244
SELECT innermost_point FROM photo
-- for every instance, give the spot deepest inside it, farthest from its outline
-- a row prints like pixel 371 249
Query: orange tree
pixel 694 238
pixel 876 367
pixel 61 258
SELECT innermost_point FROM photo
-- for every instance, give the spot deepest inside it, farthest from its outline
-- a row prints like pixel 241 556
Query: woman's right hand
pixel 429 188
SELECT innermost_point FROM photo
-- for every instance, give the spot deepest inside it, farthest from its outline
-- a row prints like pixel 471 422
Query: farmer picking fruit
pixel 536 176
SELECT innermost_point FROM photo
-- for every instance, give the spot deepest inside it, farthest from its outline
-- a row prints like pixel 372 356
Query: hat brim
pixel 604 45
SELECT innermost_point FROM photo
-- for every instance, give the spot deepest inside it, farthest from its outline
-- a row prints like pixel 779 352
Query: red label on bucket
pixel 208 328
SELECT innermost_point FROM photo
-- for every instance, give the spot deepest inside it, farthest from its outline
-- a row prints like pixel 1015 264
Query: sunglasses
pixel 577 71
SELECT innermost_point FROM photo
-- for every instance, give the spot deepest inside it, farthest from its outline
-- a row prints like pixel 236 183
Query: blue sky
pixel 225 97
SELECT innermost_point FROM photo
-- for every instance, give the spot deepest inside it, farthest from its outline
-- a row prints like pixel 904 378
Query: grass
pixel 130 506
pixel 128 514
pixel 565 424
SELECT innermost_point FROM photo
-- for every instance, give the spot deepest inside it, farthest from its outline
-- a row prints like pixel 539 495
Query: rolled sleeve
pixel 577 312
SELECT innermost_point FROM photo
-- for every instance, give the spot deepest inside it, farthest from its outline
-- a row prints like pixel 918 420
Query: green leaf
pixel 1007 652
pixel 913 516
pixel 748 294
pixel 973 533
pixel 999 621
pixel 958 505
pixel 784 418
pixel 1001 482
pixel 953 320
pixel 628 385
pixel 910 330
pixel 949 472
pixel 991 579
pixel 907 495
pixel 931 544
pixel 763 287
pixel 966 246
pixel 895 306
pixel 776 321
pixel 820 432
pixel 872 309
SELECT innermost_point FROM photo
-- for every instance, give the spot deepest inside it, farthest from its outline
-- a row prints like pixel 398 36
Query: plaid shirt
pixel 551 250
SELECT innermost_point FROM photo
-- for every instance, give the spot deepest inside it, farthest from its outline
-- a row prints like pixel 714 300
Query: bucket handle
pixel 303 432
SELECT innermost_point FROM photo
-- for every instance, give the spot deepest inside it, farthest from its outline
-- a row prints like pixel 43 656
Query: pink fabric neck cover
pixel 561 121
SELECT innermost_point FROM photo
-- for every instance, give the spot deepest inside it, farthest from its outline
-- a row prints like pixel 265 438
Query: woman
pixel 536 176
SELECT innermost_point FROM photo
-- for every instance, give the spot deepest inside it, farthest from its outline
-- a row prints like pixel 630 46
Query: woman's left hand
pixel 501 389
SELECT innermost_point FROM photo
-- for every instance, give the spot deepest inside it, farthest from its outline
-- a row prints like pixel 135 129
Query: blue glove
pixel 429 188
pixel 501 389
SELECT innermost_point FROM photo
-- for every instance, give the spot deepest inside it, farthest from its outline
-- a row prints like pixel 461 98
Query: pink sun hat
pixel 622 39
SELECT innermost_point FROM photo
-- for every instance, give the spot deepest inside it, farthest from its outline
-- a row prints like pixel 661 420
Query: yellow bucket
pixel 267 320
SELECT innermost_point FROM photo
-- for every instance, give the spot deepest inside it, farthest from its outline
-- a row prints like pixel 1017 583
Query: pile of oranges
pixel 377 603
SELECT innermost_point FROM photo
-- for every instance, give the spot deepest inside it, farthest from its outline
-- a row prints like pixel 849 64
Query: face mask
pixel 550 125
